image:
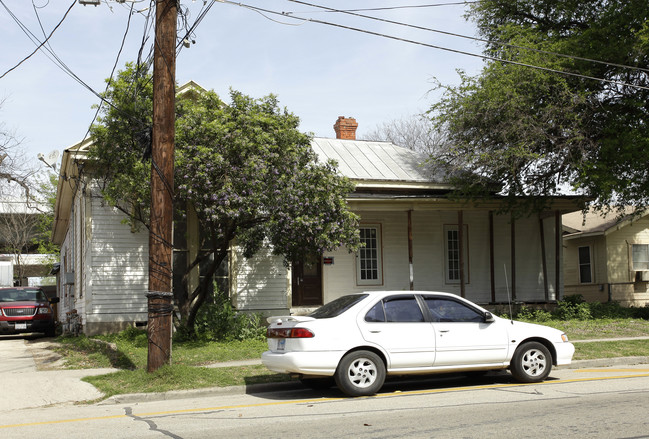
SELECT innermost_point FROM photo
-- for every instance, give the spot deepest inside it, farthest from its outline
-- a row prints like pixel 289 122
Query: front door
pixel 307 282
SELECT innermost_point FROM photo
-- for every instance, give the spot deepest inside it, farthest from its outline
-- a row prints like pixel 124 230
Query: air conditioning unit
pixel 68 278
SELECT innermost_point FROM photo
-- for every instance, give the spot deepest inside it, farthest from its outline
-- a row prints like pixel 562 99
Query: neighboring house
pixel 415 238
pixel 19 262
pixel 607 256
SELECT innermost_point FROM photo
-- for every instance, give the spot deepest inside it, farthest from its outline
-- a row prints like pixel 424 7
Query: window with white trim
pixel 452 252
pixel 585 265
pixel 640 257
pixel 368 259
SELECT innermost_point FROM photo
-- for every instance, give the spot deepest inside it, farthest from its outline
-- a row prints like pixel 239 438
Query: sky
pixel 317 71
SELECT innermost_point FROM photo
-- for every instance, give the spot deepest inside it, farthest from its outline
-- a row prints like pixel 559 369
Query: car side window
pixel 402 309
pixel 376 314
pixel 445 310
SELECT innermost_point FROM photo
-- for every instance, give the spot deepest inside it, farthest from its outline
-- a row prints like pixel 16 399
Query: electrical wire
pixel 390 8
pixel 513 46
pixel 447 49
pixel 26 31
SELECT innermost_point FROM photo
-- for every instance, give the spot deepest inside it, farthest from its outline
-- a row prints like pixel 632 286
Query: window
pixel 585 267
pixel 368 260
pixel 452 252
pixel 445 310
pixel 402 309
pixel 640 257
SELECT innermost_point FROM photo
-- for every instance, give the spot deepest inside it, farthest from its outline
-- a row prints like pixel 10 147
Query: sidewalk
pixel 30 387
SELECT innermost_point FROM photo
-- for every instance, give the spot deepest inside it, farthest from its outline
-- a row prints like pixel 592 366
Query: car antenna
pixel 509 299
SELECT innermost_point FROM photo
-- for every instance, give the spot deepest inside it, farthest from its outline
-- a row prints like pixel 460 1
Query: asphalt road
pixel 583 403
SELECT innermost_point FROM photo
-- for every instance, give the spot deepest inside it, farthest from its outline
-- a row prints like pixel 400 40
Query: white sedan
pixel 359 339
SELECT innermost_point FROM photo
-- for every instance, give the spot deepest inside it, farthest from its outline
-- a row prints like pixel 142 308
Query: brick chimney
pixel 346 128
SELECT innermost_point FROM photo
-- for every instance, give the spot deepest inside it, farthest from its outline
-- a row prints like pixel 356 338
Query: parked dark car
pixel 26 309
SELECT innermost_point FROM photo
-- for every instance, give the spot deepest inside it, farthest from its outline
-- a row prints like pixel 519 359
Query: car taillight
pixel 289 333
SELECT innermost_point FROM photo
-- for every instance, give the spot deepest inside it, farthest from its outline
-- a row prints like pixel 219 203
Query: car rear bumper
pixel 565 351
pixel 306 363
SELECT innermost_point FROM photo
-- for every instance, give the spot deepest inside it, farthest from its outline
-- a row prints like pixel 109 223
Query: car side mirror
pixel 488 317
pixel 54 300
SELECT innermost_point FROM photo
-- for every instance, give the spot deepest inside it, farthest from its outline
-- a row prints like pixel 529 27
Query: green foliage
pixel 574 307
pixel 531 314
pixel 531 131
pixel 219 321
pixel 244 168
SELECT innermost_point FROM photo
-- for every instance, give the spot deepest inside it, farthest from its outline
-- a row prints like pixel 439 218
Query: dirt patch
pixel 42 349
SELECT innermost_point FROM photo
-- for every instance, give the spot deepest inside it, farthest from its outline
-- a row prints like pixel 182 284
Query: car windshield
pixel 337 307
pixel 22 295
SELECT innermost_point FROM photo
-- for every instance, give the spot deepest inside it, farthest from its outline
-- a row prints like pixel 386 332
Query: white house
pixel 415 238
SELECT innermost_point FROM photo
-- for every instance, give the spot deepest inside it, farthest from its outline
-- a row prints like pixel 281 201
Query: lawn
pixel 128 351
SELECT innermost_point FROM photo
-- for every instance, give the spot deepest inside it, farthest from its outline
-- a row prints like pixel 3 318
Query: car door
pixel 462 335
pixel 397 325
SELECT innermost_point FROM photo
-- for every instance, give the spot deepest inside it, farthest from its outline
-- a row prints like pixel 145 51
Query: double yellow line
pixel 629 373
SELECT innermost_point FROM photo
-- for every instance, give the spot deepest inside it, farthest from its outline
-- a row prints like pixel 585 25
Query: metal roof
pixel 369 160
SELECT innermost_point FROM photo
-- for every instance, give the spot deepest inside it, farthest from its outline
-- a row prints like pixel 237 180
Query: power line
pixel 24 29
pixel 513 46
pixel 389 8
pixel 433 46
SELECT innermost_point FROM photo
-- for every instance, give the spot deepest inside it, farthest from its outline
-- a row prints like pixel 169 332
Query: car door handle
pixel 443 330
pixel 375 331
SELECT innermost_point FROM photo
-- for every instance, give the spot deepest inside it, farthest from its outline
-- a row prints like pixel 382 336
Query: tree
pixel 534 131
pixel 13 165
pixel 416 132
pixel 244 168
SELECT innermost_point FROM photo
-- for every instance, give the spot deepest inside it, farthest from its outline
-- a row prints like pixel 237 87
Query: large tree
pixel 243 167
pixel 561 102
pixel 416 132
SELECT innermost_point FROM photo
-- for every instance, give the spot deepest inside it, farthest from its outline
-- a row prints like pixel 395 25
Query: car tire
pixel 360 373
pixel 318 383
pixel 531 363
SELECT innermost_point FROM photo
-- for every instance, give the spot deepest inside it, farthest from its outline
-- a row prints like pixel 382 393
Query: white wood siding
pixel 118 267
pixel 259 283
pixel 262 283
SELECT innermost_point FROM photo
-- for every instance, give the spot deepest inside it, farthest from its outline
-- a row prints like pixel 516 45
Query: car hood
pixel 22 304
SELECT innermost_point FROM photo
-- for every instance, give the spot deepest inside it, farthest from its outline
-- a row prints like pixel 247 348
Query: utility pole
pixel 160 304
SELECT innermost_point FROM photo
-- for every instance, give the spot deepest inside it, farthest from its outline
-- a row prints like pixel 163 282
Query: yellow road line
pixel 320 400
pixel 612 370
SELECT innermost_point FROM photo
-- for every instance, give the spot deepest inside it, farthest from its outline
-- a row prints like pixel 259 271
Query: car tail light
pixel 289 333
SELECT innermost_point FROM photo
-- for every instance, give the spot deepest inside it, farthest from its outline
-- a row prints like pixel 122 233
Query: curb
pixel 296 385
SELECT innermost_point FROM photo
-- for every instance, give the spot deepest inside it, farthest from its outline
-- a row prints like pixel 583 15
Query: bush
pixel 219 321
pixel 532 314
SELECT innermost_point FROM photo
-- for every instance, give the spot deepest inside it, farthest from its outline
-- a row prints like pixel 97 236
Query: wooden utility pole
pixel 160 304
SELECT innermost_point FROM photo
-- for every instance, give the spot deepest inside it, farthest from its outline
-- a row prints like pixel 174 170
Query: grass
pixel 127 351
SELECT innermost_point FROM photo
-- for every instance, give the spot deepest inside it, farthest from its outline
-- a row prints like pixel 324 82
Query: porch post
pixel 410 258
pixel 491 257
pixel 558 229
pixel 460 220
pixel 513 256
pixel 544 262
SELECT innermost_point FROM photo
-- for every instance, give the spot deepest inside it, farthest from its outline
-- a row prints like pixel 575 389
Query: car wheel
pixel 531 363
pixel 360 373
pixel 318 383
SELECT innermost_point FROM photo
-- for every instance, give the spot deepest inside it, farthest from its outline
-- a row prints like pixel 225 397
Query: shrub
pixel 532 314
pixel 219 321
